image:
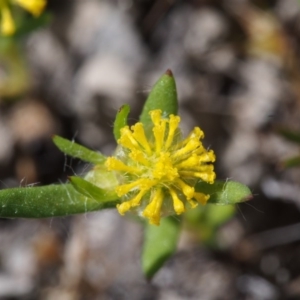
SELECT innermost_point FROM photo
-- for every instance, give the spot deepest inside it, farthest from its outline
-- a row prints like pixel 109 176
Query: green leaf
pixel 78 151
pixel 92 191
pixel 292 136
pixel 159 244
pixel 204 221
pixel 46 201
pixel 210 215
pixel 224 192
pixel 291 162
pixel 26 23
pixel 162 96
pixel 121 120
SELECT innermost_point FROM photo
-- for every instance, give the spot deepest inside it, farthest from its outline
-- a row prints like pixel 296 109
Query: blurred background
pixel 237 68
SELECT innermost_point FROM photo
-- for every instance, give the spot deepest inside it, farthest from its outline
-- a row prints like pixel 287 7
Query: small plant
pixel 154 173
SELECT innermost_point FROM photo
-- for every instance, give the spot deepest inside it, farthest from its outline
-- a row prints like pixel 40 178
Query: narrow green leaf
pixel 78 151
pixel 204 221
pixel 46 201
pixel 225 192
pixel 159 244
pixel 291 162
pixel 121 120
pixel 209 215
pixel 162 96
pixel 92 191
pixel 292 136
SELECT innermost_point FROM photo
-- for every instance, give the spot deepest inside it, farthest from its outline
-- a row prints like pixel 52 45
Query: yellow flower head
pixel 158 170
pixel 35 7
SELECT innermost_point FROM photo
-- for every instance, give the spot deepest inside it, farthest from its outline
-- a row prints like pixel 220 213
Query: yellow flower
pixel 35 7
pixel 158 169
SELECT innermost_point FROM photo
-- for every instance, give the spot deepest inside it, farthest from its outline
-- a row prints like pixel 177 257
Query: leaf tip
pixel 169 73
pixel 121 108
pixel 247 198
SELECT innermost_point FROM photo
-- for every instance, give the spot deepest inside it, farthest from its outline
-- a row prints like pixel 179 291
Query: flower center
pixel 163 168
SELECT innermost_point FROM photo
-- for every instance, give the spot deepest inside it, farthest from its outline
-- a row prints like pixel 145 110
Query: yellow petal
pixel 7 22
pixel 127 140
pixel 159 133
pixel 201 198
pixel 139 135
pixel 152 211
pixel 35 7
pixel 187 190
pixel 139 157
pixel 207 156
pixel 114 164
pixel 196 133
pixel 189 162
pixel 177 203
pixel 207 177
pixel 123 189
pixel 142 184
pixel 135 201
pixel 191 145
pixel 155 116
pixel 173 125
pixel 123 207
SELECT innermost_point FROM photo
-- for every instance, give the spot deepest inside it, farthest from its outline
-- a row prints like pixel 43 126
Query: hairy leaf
pixel 92 191
pixel 224 192
pixel 162 96
pixel 46 201
pixel 159 244
pixel 75 150
pixel 121 120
